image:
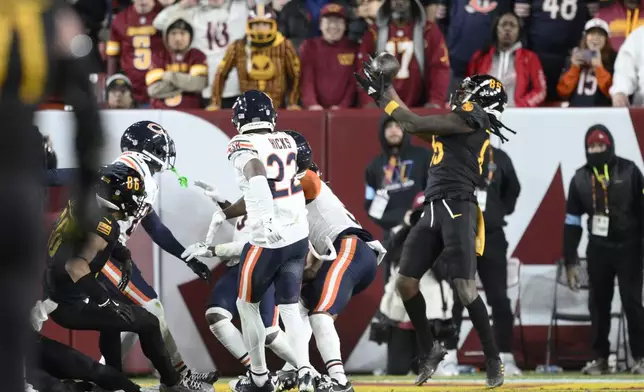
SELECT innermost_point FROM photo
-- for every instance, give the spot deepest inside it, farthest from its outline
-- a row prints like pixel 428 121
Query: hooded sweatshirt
pixel 402 172
pixel 618 193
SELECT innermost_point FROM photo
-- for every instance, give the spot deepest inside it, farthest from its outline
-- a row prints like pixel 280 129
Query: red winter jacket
pixel 530 89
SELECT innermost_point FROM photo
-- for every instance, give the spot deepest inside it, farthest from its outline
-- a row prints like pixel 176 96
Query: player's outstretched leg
pixel 469 296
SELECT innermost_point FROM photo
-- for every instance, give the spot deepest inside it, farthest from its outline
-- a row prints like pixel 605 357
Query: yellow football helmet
pixel 261 27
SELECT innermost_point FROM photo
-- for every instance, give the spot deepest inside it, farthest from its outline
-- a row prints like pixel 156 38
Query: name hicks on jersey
pixel 280 143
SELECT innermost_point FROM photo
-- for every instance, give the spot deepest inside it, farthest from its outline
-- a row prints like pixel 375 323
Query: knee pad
pixel 466 290
pixel 217 314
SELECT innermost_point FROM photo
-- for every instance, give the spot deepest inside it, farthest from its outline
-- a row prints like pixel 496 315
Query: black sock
pixel 417 312
pixel 481 321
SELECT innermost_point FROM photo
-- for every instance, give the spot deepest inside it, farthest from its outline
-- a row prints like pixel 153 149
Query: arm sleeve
pixel 223 69
pixel 293 72
pixel 229 249
pixel 511 187
pixel 537 93
pixel 568 81
pixel 367 47
pixel 161 235
pixel 572 225
pixel 604 80
pixel 625 75
pixel 437 72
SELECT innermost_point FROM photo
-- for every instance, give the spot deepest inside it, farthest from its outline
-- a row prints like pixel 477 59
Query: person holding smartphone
pixel 589 77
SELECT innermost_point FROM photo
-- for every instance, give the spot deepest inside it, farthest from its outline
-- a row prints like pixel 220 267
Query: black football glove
pixel 373 83
pixel 200 269
pixel 126 274
pixel 124 311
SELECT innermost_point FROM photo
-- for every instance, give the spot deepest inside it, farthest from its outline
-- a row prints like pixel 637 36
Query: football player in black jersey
pixel 452 224
pixel 70 277
pixel 43 50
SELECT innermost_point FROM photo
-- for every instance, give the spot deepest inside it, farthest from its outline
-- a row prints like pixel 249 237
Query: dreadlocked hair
pixel 497 126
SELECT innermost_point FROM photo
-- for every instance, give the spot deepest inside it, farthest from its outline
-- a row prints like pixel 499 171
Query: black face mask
pixel 599 159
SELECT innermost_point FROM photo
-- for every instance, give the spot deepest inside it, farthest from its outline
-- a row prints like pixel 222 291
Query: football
pixel 387 65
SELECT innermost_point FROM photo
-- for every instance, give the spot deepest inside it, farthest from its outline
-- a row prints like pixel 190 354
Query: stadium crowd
pixel 303 53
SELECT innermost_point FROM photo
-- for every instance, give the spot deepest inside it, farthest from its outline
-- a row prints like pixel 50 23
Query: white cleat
pixel 449 366
pixel 511 368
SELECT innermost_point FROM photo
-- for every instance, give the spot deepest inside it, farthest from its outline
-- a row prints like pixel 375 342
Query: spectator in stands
pixel 119 92
pixel 628 67
pixel 300 19
pixel 216 24
pixel 331 54
pixel 403 30
pixel 467 25
pixel 132 42
pixel 264 60
pixel 554 28
pixel 179 74
pixel 518 68
pixel 590 74
pixel 623 17
pixel 395 176
pixel 401 337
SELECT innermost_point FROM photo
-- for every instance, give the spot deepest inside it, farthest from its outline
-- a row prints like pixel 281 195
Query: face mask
pixel 599 159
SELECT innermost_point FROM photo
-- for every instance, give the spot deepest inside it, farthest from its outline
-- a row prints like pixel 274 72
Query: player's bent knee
pixel 215 315
pixel 407 287
pixel 271 334
pixel 466 290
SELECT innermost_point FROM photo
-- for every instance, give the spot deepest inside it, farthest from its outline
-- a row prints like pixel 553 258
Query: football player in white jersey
pixel 222 308
pixel 148 149
pixel 216 24
pixel 266 163
pixel 342 262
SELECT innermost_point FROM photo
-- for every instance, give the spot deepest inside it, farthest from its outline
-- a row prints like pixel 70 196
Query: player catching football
pixel 452 223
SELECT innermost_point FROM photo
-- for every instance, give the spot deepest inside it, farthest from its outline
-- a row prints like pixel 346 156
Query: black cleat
pixel 286 380
pixel 328 384
pixel 427 364
pixel 495 372
pixel 207 377
pixel 246 384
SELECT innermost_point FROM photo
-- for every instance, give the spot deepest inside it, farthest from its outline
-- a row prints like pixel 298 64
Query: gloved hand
pixel 124 311
pixel 572 273
pixel 211 192
pixel 126 274
pixel 373 83
pixel 200 269
pixel 217 219
pixel 271 231
pixel 199 249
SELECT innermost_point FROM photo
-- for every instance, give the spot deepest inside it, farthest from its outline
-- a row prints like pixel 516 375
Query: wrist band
pixel 391 106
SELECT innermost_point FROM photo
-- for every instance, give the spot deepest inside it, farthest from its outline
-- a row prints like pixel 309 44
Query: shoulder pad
pixel 473 114
pixel 238 144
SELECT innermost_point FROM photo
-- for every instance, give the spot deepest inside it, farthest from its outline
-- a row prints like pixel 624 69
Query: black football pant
pixel 604 263
pixel 55 361
pixel 79 315
pixel 492 268
pixel 22 244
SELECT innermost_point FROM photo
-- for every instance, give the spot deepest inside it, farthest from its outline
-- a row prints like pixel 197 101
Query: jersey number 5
pixel 25 20
pixel 142 52
pixel 281 187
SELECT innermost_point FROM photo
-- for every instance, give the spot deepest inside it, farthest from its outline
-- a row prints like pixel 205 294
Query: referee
pixel 42 51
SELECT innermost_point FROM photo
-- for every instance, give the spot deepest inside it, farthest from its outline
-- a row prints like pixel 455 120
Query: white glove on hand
pixel 211 192
pixel 196 250
pixel 271 232
pixel 217 219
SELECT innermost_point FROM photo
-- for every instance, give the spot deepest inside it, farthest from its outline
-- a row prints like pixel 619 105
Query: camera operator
pixel 610 190
pixel 394 326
